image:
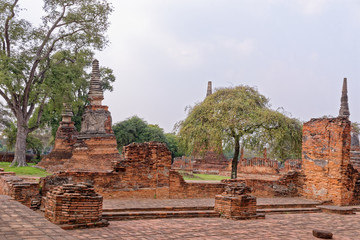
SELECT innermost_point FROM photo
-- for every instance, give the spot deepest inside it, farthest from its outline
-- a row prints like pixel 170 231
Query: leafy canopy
pixel 237 116
pixel 135 129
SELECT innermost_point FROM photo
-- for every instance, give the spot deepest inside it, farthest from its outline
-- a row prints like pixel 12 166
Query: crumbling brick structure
pixel 236 203
pixel 74 206
pixel 210 163
pixel 143 172
pixel 329 176
pixel 24 191
pixel 64 142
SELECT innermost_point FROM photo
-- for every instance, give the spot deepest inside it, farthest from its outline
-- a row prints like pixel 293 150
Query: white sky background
pixel 296 52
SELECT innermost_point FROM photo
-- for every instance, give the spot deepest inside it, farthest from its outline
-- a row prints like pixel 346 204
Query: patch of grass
pixel 24 171
pixel 205 177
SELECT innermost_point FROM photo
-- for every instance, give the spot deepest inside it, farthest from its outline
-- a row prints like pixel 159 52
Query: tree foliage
pixel 235 117
pixel 32 58
pixel 135 129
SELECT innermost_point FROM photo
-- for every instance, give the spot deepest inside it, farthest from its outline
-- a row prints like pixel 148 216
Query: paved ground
pixel 291 226
pixel 18 222
pixel 152 203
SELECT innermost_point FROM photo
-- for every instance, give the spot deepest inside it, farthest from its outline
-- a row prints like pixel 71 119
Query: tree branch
pixel 38 58
pixel 8 101
pixel 41 109
pixel 6 30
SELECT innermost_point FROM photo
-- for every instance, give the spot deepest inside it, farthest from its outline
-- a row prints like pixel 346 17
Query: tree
pixel 28 55
pixel 173 143
pixel 237 116
pixel 135 129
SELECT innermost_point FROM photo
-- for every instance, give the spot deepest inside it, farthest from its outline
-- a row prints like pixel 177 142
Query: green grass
pixel 24 171
pixel 205 177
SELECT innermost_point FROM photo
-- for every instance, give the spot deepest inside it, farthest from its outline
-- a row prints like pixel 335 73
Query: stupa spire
pixel 344 107
pixel 96 94
pixel 209 89
pixel 66 113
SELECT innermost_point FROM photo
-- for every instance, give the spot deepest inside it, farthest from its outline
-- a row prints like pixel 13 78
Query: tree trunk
pixel 20 145
pixel 234 163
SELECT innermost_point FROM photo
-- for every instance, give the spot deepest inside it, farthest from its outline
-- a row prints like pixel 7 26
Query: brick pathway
pixel 292 226
pixel 18 222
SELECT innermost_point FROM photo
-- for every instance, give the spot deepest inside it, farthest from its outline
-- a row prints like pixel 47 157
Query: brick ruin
pixel 74 206
pixel 213 163
pixel 329 175
pixel 236 203
pixel 64 142
pixel 95 147
pixel 23 190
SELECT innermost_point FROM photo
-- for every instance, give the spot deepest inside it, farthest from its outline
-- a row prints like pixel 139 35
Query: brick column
pixel 326 160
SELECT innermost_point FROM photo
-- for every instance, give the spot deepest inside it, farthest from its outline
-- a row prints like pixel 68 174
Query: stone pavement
pixel 282 226
pixel 18 222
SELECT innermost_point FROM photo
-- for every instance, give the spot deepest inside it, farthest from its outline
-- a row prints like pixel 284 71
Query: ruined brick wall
pixel 181 189
pixel 258 166
pixel 287 185
pixel 9 157
pixel 326 160
pixel 182 163
pixel 211 163
pixel 143 172
pixel 292 165
pixel 17 188
pixel 74 205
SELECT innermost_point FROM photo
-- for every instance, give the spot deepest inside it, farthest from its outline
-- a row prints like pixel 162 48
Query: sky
pixel 295 52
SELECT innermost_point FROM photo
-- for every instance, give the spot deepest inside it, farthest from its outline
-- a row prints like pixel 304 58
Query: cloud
pixel 243 47
pixel 312 7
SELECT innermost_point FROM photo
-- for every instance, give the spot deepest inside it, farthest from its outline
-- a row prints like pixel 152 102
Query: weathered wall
pixel 143 172
pixel 17 188
pixel 258 166
pixel 287 185
pixel 181 189
pixel 9 157
pixel 182 163
pixel 326 160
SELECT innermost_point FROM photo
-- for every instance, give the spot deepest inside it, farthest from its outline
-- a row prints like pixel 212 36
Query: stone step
pixel 195 208
pixel 288 210
pixel 288 206
pixel 123 216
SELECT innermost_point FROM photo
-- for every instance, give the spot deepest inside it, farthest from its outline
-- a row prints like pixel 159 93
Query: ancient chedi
pixel 344 107
pixel 96 147
pixel 64 142
pixel 209 89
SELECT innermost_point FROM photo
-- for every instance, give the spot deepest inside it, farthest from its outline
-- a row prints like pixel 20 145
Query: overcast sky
pixel 296 52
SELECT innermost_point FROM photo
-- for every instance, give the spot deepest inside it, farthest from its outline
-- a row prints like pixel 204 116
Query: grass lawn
pixel 205 177
pixel 24 171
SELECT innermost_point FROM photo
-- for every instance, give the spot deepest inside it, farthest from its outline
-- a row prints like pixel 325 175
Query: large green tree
pixel 237 116
pixel 28 54
pixel 135 129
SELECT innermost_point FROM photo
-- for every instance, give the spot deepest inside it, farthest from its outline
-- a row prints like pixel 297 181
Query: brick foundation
pixel 19 189
pixel 236 205
pixel 74 206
